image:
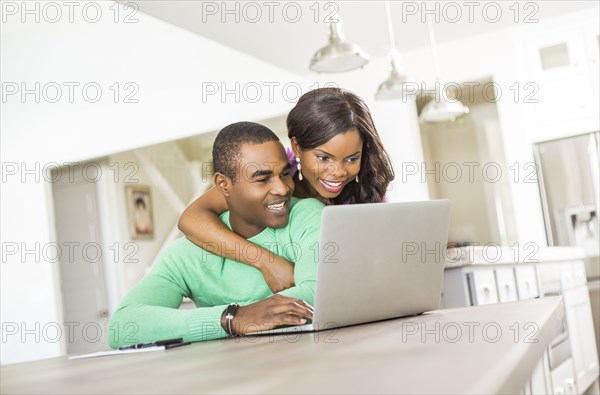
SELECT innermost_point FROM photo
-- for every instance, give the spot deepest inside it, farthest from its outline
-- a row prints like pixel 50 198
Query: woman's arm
pixel 201 225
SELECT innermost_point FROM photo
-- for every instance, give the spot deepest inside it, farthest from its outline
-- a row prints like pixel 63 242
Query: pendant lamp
pixel 441 108
pixel 338 55
pixel 395 87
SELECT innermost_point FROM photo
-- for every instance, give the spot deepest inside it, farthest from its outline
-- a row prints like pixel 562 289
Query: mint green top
pixel 150 311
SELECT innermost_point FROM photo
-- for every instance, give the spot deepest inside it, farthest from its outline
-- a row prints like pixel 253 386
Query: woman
pixel 337 157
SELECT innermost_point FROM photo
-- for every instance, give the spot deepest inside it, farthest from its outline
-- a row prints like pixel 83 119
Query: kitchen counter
pixel 482 349
pixel 520 253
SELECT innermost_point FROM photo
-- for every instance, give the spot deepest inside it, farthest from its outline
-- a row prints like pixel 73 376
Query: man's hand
pixel 271 312
pixel 278 273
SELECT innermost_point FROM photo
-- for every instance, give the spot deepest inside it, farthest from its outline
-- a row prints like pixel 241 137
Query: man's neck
pixel 245 230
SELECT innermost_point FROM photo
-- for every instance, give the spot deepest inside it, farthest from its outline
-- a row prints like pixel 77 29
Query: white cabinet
pixel 583 339
pixel 563 381
pixel 572 365
pixel 540 379
pixel 501 283
pixel 526 282
pixel 507 287
pixel 482 286
pixel 592 42
pixel 563 66
pixel 556 53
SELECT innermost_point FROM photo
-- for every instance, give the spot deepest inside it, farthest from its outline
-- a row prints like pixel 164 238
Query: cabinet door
pixel 564 86
pixel 564 100
pixel 566 275
pixel 538 377
pixel 526 282
pixel 482 285
pixel 582 337
pixel 562 379
pixel 557 53
pixel 507 289
pixel 592 37
pixel 579 277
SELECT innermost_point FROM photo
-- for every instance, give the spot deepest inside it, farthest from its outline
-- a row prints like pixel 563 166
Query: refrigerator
pixel 568 175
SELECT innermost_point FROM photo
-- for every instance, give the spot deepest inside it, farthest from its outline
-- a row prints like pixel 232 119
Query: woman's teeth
pixel 332 184
pixel 332 187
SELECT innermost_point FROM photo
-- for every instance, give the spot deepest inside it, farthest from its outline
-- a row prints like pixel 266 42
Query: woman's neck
pixel 305 190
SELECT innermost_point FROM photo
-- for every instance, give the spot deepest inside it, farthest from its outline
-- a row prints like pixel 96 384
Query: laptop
pixel 378 261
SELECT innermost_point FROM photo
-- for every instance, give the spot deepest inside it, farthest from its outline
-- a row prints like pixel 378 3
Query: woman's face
pixel 329 167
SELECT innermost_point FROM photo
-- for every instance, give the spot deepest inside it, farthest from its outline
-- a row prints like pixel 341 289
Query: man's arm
pixel 150 312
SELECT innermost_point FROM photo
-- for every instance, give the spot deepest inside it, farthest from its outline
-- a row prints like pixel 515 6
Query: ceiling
pixel 288 33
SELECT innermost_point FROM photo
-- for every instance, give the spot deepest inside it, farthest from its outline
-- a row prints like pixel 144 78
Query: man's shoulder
pixel 178 248
pixel 305 212
pixel 303 206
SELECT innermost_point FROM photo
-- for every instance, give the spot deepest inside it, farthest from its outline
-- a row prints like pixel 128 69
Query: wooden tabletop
pixel 482 349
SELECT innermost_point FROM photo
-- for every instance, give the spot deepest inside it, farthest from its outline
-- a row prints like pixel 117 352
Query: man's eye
pixel 262 180
pixel 286 174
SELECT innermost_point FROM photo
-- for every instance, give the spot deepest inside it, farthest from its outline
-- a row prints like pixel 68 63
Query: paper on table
pixel 116 352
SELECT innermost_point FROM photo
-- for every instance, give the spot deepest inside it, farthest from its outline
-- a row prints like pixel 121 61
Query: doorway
pixel 465 162
pixel 82 278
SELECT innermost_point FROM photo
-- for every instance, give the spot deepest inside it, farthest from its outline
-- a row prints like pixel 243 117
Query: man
pixel 253 174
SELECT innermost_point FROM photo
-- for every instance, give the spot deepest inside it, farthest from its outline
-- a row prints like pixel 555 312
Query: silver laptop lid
pixel 379 261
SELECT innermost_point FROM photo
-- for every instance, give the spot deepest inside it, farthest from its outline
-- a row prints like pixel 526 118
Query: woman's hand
pixel 271 312
pixel 278 273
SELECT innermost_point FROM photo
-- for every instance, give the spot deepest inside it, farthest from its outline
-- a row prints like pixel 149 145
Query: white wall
pixel 164 217
pixel 167 63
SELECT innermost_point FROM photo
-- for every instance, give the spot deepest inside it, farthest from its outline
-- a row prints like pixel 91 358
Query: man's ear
pixel 223 183
pixel 295 147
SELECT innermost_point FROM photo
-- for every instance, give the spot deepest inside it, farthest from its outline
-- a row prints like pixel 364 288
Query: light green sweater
pixel 150 311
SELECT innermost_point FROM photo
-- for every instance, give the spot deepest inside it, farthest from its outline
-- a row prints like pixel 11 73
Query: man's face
pixel 260 196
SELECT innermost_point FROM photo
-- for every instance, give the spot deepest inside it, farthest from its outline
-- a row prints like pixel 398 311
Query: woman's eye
pixel 322 157
pixel 354 159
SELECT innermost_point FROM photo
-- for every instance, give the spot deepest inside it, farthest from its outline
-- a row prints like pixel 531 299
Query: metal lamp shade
pixel 397 86
pixel 339 55
pixel 443 111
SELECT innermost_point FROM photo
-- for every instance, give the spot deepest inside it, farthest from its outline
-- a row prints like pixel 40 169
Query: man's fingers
pixel 291 319
pixel 292 307
pixel 312 309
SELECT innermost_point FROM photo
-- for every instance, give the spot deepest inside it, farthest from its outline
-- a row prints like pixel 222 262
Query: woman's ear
pixel 295 147
pixel 222 183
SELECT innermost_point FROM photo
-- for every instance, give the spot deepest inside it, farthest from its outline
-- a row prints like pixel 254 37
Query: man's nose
pixel 280 187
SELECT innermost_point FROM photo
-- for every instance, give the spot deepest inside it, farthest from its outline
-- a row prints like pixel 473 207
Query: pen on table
pixel 158 343
pixel 169 346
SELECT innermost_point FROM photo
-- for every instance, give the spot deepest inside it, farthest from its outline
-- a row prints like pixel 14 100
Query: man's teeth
pixel 276 206
pixel 333 184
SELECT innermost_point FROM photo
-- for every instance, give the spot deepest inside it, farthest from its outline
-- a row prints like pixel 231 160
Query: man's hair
pixel 229 141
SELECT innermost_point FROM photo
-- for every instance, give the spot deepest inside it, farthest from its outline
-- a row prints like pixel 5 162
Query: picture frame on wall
pixel 139 208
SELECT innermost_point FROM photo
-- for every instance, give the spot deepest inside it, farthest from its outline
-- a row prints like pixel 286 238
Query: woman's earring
pixel 356 179
pixel 299 167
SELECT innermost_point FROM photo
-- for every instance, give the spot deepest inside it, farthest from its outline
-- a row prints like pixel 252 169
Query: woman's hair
pixel 323 113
